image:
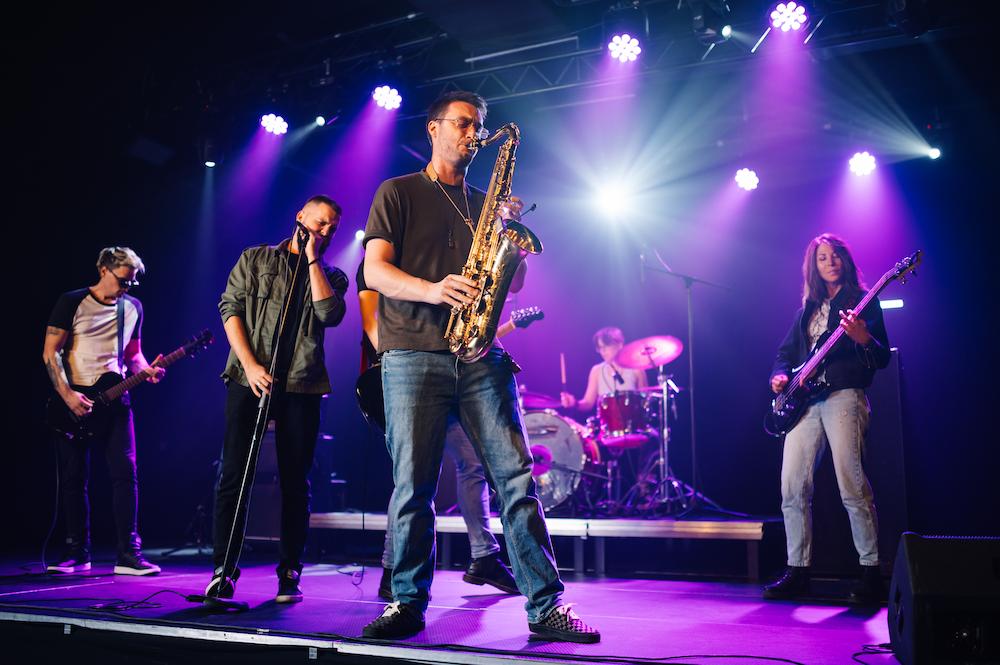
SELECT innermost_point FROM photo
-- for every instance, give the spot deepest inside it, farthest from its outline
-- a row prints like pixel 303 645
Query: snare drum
pixel 561 449
pixel 623 418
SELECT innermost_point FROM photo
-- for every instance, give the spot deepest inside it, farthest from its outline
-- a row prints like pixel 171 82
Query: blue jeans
pixel 473 496
pixel 840 419
pixel 421 390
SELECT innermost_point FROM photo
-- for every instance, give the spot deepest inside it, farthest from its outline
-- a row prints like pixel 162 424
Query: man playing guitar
pixel 91 332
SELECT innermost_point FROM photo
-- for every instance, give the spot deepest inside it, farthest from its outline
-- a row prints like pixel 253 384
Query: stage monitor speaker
pixel 944 600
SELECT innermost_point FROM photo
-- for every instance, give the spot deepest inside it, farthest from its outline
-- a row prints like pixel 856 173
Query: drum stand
pixel 671 493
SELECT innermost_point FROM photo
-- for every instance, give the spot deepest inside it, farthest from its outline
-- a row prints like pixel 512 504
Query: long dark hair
pixel 813 286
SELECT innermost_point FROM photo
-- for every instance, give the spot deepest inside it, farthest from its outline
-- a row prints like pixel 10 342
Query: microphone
pixel 303 234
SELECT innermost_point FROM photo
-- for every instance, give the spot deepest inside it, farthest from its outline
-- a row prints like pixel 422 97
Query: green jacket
pixel 255 293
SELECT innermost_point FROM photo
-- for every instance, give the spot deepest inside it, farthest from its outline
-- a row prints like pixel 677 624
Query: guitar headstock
pixel 906 266
pixel 198 342
pixel 522 318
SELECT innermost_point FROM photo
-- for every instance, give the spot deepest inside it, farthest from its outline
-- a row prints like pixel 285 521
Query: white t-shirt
pixel 92 347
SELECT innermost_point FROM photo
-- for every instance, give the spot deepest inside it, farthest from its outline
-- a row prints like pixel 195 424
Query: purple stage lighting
pixel 862 163
pixel 386 97
pixel 788 16
pixel 624 48
pixel 747 179
pixel 274 124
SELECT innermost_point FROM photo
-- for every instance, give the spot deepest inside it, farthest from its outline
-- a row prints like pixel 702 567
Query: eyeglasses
pixel 465 123
pixel 125 283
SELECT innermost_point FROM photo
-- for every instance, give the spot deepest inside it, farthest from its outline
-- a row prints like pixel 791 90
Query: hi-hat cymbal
pixel 649 352
pixel 536 401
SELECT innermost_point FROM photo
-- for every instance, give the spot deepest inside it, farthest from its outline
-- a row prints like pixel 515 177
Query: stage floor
pixel 639 619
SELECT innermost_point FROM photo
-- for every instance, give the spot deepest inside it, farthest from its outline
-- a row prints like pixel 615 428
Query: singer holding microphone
pixel 606 376
pixel 251 309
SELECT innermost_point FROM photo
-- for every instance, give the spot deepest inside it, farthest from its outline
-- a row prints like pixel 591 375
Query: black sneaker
pixel 398 621
pixel 74 562
pixel 869 589
pixel 134 563
pixel 794 583
pixel 385 585
pixel 216 587
pixel 491 570
pixel 288 587
pixel 563 625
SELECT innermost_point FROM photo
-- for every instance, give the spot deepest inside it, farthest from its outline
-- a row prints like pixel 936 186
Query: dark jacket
pixel 849 364
pixel 255 293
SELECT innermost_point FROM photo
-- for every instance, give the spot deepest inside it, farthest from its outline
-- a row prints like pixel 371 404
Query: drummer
pixel 606 376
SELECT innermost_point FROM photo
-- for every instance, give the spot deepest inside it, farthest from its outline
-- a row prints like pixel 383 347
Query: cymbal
pixel 532 400
pixel 649 352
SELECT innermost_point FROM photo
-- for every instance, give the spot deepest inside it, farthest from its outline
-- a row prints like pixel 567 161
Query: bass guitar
pixel 803 387
pixel 368 388
pixel 108 390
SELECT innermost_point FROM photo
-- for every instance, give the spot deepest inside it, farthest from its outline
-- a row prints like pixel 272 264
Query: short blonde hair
pixel 608 336
pixel 116 257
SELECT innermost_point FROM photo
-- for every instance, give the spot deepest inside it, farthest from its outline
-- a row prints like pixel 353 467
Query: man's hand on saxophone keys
pixel 454 290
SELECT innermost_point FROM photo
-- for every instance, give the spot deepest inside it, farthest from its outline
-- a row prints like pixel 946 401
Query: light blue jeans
pixel 473 496
pixel 840 419
pixel 421 389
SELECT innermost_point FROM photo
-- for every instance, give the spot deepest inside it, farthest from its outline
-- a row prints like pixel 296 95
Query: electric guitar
pixel 368 388
pixel 108 390
pixel 803 387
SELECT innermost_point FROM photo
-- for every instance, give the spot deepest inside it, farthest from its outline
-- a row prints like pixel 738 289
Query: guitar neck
pixel 835 336
pixel 119 389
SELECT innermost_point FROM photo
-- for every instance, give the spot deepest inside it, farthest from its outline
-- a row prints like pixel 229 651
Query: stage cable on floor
pixel 884 649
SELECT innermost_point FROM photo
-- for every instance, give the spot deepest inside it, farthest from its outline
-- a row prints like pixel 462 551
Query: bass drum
pixel 561 450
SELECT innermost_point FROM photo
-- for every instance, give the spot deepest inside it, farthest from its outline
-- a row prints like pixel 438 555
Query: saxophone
pixel 498 247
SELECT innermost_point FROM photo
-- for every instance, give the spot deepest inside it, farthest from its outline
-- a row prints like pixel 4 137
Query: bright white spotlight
pixel 788 16
pixel 386 97
pixel 726 32
pixel 210 164
pixel 612 199
pixel 274 124
pixel 891 304
pixel 320 121
pixel 934 153
pixel 359 235
pixel 747 179
pixel 862 163
pixel 624 48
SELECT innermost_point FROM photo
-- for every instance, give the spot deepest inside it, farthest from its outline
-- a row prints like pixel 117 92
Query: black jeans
pixel 113 435
pixel 296 424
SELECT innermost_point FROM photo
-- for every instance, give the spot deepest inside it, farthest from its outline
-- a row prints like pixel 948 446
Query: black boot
pixel 869 589
pixel 491 570
pixel 794 583
pixel 385 585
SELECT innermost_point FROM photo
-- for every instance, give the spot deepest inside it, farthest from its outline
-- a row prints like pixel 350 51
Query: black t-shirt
pixel 413 214
pixel 368 352
pixel 290 333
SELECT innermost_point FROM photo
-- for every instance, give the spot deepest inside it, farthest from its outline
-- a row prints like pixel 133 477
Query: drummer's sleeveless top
pixel 606 382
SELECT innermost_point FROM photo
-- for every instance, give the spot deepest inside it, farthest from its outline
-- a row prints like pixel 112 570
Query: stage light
pixel 891 304
pixel 612 199
pixel 710 21
pixel 747 179
pixel 210 164
pixel 862 163
pixel 359 235
pixel 934 153
pixel 320 121
pixel 788 16
pixel 275 124
pixel 624 48
pixel 387 98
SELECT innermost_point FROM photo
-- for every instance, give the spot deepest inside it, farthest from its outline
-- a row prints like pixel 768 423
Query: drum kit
pixel 578 468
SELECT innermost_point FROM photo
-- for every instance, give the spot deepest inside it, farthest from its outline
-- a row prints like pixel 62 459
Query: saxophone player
pixel 420 231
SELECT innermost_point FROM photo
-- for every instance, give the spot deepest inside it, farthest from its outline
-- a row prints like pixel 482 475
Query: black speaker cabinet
pixel 833 547
pixel 944 600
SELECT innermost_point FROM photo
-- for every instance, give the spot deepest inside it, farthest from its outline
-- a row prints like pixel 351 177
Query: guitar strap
pixel 121 332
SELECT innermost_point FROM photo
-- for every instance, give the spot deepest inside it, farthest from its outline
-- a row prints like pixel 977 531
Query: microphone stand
pixel 231 559
pixel 689 282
